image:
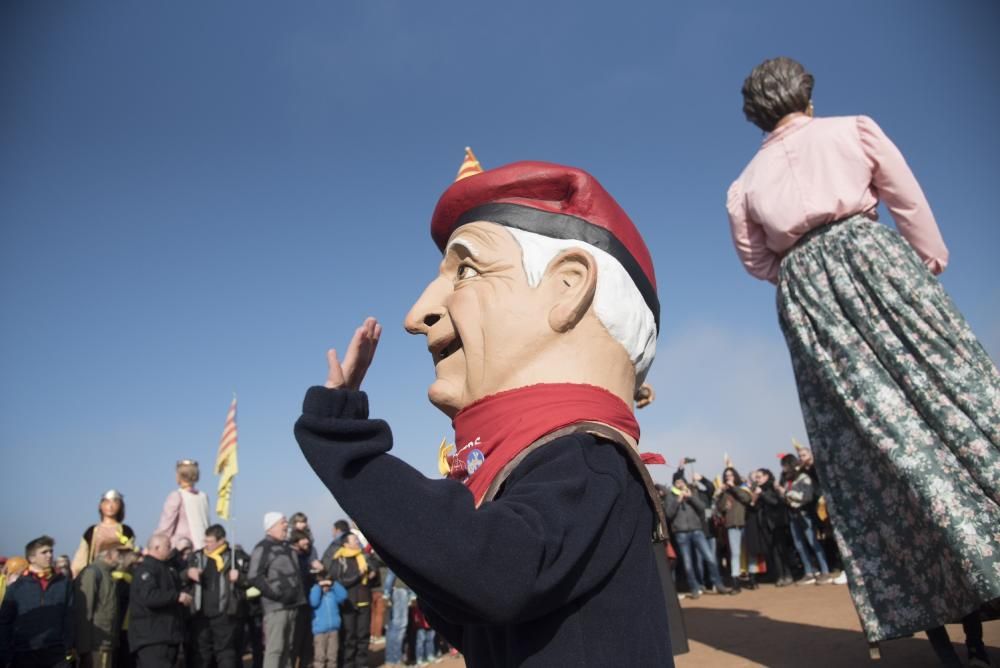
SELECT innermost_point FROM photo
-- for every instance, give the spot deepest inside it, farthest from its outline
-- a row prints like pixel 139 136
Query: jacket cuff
pixel 324 402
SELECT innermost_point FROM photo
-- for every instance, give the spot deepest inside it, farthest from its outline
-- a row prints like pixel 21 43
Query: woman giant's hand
pixel 360 353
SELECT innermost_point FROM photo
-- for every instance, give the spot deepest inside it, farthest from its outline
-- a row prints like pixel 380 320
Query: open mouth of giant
pixel 449 349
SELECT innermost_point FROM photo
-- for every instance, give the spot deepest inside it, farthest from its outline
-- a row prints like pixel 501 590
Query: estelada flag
pixel 470 165
pixel 226 466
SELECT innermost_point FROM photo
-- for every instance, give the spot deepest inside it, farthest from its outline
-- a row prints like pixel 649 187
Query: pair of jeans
pixel 398 622
pixel 735 535
pixel 425 645
pixel 688 541
pixel 700 565
pixel 804 537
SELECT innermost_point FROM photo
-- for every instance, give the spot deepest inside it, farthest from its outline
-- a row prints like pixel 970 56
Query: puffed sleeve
pixel 749 238
pixel 898 188
pixel 170 514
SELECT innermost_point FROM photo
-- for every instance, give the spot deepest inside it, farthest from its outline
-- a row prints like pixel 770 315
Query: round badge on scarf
pixel 473 461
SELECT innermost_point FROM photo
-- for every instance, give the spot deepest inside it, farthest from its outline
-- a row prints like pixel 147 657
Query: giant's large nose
pixel 428 309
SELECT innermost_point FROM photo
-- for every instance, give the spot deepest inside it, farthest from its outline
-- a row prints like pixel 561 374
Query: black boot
pixel 941 643
pixel 752 584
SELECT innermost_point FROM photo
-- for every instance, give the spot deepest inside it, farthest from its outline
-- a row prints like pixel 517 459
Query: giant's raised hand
pixel 360 353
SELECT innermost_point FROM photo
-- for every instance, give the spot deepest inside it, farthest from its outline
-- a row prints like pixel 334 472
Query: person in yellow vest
pixel 353 572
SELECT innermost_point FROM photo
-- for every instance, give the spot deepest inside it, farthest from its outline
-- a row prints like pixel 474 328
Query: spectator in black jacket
pixel 218 574
pixel 156 606
pixel 767 529
pixel 36 615
pixel 302 641
pixel 340 530
pixel 352 570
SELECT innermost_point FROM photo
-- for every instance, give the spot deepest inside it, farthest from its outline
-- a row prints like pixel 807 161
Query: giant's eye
pixel 466 271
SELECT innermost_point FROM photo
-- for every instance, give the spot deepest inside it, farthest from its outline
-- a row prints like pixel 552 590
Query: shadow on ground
pixel 771 642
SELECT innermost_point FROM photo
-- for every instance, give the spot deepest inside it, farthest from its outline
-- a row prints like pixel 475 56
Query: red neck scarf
pixel 492 431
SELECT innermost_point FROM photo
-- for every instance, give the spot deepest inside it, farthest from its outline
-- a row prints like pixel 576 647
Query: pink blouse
pixel 812 171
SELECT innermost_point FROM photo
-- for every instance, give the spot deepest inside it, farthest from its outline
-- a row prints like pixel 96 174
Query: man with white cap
pixel 274 570
pixel 543 547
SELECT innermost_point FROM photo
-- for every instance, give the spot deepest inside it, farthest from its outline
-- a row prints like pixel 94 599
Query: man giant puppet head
pixel 544 280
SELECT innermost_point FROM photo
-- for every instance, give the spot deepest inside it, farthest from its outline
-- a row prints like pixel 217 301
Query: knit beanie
pixel 272 518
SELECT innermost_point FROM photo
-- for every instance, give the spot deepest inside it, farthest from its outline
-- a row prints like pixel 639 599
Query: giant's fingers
pixel 335 376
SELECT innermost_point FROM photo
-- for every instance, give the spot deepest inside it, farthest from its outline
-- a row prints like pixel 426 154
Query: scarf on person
pixel 44 576
pixel 358 555
pixel 216 556
pixel 492 431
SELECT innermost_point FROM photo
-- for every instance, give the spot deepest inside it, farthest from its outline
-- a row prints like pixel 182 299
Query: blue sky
pixel 200 198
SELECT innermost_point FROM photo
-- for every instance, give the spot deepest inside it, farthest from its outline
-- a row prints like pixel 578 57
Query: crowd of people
pixel 730 533
pixel 172 603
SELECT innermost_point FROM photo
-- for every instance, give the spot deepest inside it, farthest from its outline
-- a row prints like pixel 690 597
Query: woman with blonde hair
pixel 185 512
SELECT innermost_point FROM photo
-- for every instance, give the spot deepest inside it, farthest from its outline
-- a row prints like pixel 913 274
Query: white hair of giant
pixel 617 302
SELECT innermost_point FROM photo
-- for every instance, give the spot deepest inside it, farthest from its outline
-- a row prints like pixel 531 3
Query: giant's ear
pixel 570 281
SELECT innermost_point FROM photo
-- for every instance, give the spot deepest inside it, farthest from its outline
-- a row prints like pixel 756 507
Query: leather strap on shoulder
pixel 605 433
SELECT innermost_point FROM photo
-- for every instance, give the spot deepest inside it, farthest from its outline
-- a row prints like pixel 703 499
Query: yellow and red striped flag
pixel 226 466
pixel 470 165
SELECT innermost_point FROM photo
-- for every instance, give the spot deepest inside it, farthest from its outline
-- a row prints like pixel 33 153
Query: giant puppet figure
pixel 538 548
pixel 185 511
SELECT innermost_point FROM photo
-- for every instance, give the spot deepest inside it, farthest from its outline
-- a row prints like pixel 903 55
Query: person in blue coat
pixel 325 597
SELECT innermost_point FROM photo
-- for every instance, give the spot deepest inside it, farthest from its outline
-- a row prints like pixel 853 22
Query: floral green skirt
pixel 902 407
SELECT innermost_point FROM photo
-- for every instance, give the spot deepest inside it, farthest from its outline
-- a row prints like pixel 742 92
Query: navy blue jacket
pixel 31 619
pixel 155 615
pixel 558 570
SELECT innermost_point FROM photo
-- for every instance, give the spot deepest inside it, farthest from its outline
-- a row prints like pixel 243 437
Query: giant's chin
pixel 446 396
pixel 447 392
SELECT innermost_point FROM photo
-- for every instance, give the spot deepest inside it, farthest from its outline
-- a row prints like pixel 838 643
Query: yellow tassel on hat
pixel 727 461
pixel 798 446
pixel 470 165
pixel 444 450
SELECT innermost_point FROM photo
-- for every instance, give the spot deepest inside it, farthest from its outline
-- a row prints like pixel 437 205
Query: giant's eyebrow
pixel 463 242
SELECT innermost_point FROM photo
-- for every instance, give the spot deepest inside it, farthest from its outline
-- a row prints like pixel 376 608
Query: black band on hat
pixel 570 228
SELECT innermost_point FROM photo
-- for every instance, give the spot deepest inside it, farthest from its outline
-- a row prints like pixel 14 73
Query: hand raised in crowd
pixel 234 575
pixel 194 574
pixel 184 598
pixel 698 477
pixel 360 353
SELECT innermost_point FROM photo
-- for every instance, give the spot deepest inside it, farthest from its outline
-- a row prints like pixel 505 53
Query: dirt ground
pixel 811 626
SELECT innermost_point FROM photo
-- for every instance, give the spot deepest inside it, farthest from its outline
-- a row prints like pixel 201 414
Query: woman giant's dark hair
pixel 774 89
pixel 119 516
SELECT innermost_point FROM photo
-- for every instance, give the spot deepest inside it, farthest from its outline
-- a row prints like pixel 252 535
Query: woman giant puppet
pixel 901 402
pixel 185 512
pixel 110 530
pixel 538 547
